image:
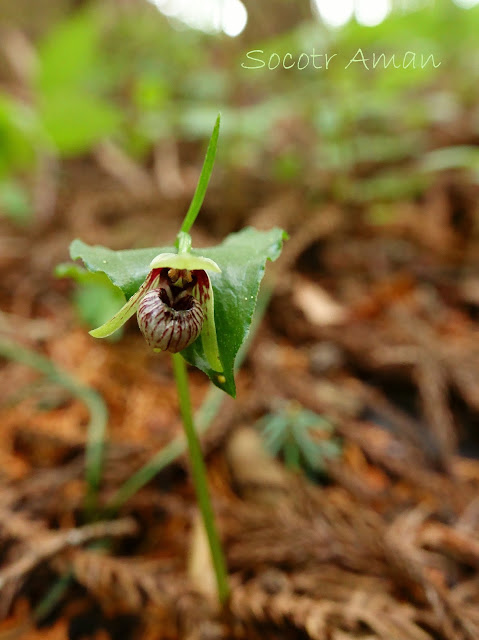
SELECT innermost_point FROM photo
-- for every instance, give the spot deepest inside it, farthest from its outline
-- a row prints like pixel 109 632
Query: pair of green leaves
pixel 241 257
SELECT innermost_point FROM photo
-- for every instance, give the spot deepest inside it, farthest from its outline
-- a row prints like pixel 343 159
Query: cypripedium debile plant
pixel 196 304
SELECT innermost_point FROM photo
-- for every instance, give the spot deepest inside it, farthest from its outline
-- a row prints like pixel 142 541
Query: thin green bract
pixel 241 256
pixel 203 182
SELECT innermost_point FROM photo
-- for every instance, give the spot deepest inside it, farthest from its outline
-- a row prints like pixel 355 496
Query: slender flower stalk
pixel 198 472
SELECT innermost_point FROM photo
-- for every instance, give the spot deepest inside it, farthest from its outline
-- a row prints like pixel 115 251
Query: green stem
pixel 198 471
pixel 183 241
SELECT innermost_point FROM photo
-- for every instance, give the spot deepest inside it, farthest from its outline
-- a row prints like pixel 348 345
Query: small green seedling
pixel 301 436
pixel 198 305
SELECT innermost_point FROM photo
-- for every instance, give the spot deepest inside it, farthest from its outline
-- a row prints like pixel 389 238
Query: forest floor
pixel 373 326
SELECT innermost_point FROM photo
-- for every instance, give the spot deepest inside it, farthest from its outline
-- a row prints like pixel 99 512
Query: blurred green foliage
pixel 15 201
pixel 303 438
pixel 95 298
pixel 69 85
pixel 134 77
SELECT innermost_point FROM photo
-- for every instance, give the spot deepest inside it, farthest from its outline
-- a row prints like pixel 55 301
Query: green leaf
pixel 275 432
pixel 15 201
pixel 241 258
pixel 458 157
pixel 20 134
pixel 74 40
pixel 75 120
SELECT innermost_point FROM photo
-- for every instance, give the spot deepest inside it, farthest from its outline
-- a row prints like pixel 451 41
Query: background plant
pixel 124 77
pixel 303 439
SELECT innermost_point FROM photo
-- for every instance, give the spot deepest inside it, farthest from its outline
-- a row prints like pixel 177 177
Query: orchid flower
pixel 174 305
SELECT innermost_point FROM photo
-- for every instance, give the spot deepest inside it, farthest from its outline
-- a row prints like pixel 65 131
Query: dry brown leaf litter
pixel 389 549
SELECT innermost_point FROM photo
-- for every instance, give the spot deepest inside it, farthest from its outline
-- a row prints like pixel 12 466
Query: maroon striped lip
pixel 170 322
